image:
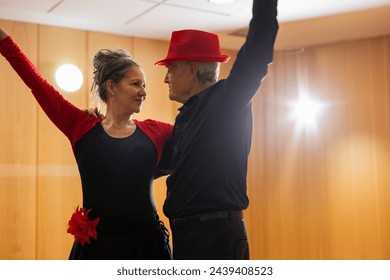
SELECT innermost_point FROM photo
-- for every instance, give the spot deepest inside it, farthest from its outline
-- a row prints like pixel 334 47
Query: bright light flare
pixel 305 111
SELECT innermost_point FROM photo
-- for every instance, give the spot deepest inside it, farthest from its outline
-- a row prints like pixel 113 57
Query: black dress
pixel 117 176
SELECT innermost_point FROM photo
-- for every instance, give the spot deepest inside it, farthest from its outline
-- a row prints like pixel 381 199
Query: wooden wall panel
pixel 323 193
pixel 18 152
pixel 59 188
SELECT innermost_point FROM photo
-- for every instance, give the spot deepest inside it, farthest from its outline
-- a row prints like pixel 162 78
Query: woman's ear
pixel 110 87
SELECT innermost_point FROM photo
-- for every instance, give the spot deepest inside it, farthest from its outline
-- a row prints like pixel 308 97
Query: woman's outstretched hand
pixel 3 34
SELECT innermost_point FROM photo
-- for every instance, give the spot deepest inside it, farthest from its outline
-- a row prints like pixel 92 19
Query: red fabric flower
pixel 81 227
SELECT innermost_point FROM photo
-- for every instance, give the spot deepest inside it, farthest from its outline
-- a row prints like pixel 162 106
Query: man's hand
pixel 94 112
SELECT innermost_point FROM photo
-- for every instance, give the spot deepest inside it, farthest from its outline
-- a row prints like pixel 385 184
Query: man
pixel 212 137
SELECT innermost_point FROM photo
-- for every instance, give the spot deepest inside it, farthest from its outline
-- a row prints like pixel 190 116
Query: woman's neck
pixel 118 125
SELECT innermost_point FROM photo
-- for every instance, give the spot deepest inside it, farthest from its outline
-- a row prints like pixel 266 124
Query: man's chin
pixel 172 98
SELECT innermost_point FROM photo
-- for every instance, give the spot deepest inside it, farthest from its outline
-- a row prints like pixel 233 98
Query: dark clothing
pixel 116 173
pixel 134 240
pixel 116 170
pixel 221 238
pixel 212 133
pixel 129 227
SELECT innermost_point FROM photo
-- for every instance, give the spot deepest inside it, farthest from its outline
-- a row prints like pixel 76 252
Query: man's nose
pixel 166 79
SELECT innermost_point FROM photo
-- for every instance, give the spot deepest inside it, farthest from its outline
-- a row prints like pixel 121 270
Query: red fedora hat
pixel 194 45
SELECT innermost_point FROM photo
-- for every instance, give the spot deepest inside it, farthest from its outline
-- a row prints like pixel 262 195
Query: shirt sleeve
pixel 72 121
pixel 164 166
pixel 251 64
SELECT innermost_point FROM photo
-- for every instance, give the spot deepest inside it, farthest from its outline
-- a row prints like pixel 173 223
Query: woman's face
pixel 129 93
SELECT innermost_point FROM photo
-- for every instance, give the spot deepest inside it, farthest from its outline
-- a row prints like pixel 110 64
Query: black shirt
pixel 213 131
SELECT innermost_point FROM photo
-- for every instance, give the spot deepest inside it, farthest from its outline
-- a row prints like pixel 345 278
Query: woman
pixel 117 158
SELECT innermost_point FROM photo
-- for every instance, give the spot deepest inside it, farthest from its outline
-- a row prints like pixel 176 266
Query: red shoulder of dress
pixel 158 132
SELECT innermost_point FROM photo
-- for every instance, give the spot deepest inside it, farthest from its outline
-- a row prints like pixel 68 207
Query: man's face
pixel 177 78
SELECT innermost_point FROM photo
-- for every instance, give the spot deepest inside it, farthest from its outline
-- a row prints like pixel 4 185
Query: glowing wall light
pixel 69 77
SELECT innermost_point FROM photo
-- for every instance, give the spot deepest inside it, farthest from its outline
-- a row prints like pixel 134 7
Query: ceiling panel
pixel 228 9
pixel 32 5
pixel 237 21
pixel 164 19
pixel 118 11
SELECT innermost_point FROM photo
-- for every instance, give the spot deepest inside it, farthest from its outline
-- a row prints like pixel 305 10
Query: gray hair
pixel 207 71
pixel 109 65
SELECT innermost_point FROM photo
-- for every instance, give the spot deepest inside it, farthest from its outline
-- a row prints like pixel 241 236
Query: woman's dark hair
pixel 109 65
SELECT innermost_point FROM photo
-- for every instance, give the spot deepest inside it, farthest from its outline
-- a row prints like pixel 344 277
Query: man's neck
pixel 198 88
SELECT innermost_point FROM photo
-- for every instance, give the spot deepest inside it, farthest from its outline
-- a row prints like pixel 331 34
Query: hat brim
pixel 222 59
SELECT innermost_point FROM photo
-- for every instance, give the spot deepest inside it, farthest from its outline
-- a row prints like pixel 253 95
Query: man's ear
pixel 193 70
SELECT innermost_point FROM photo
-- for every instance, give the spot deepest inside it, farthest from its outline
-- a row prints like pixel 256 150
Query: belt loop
pixel 229 215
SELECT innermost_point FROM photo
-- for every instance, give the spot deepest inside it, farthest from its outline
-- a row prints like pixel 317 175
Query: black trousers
pixel 212 239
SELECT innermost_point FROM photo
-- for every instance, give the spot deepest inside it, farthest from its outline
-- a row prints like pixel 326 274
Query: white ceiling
pixel 158 18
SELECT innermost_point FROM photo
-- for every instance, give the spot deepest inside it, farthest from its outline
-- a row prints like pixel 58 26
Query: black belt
pixel 226 214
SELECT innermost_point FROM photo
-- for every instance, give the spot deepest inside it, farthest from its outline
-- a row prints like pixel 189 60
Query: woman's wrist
pixel 3 34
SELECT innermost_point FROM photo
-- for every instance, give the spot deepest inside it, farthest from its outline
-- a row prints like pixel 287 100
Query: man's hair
pixel 208 72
